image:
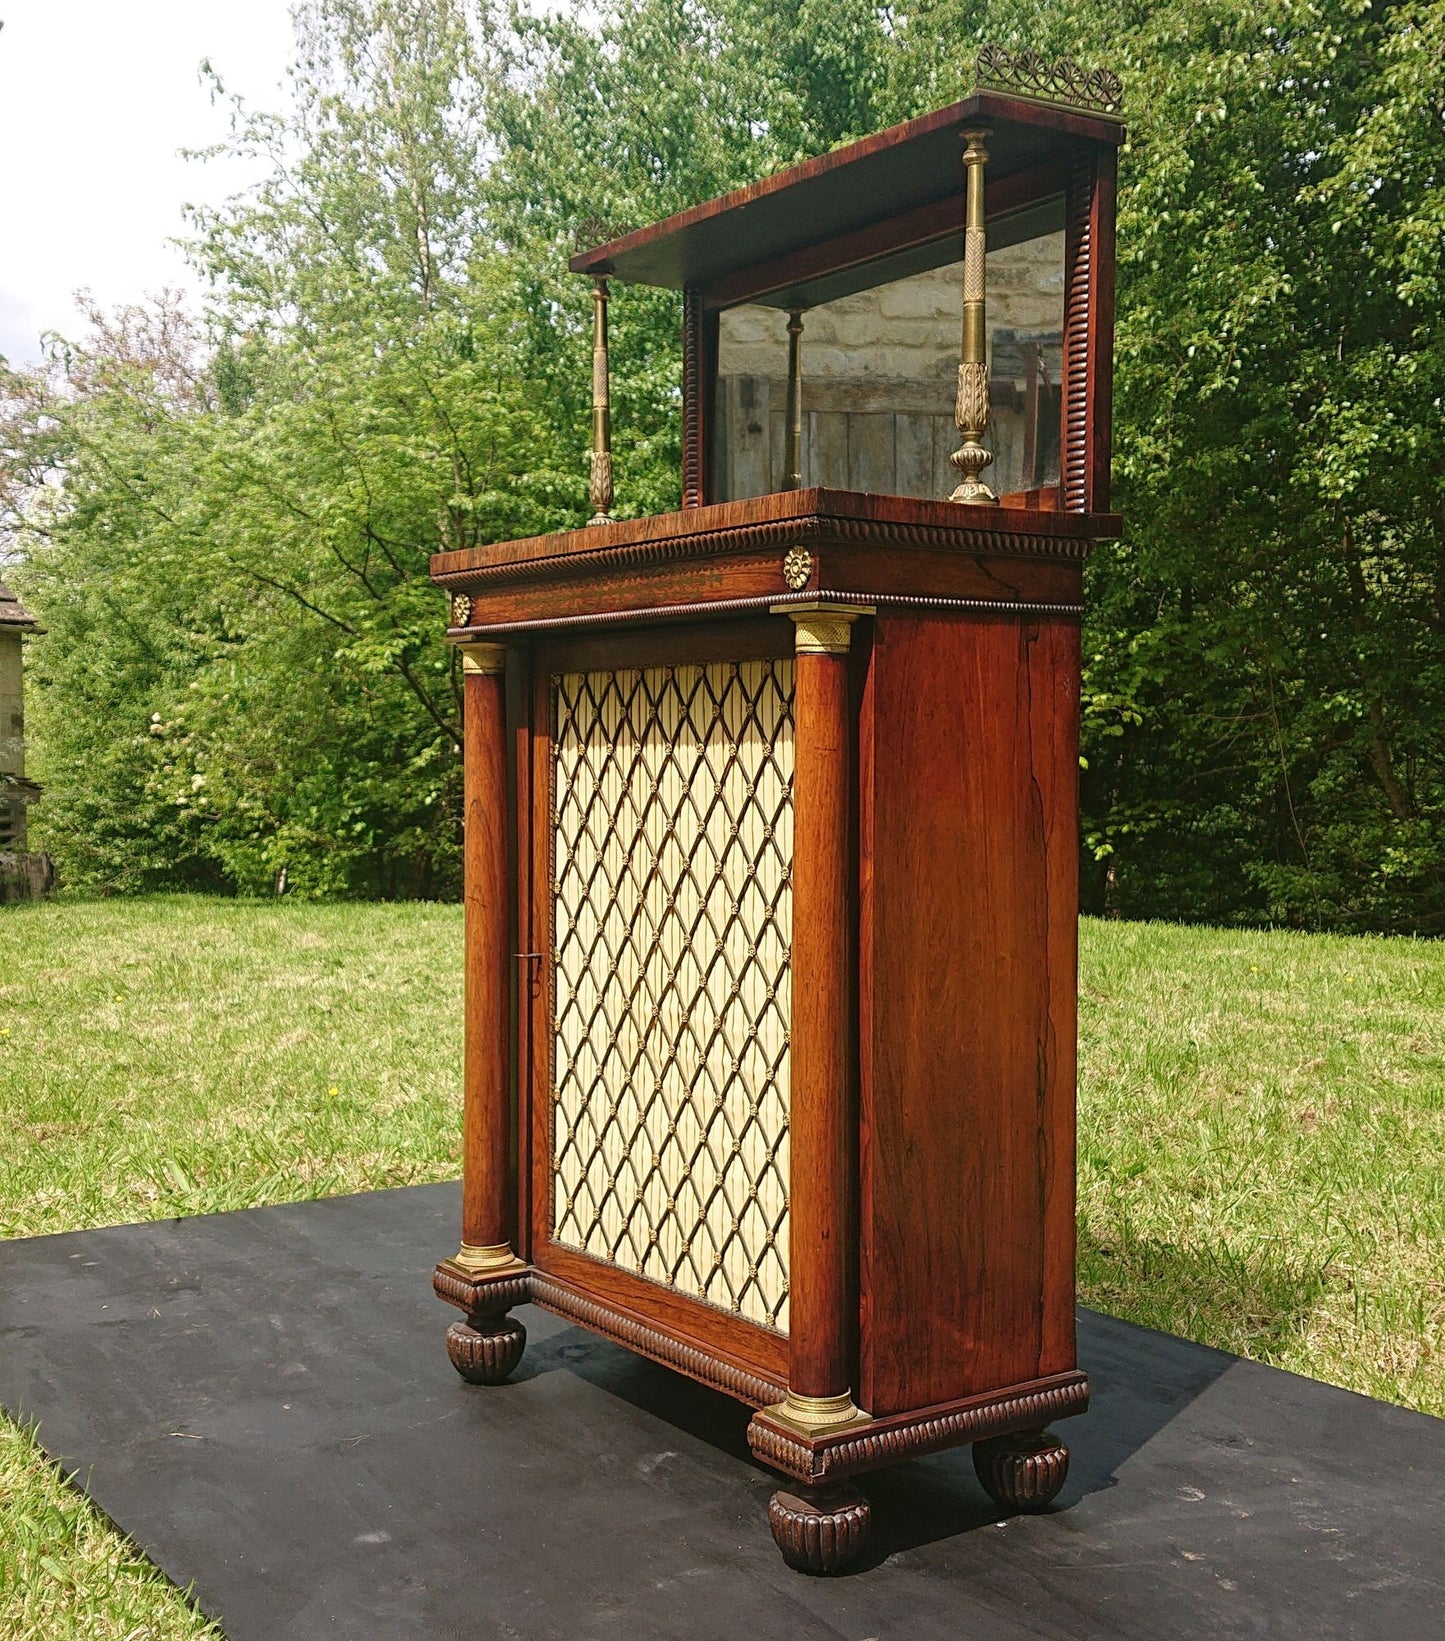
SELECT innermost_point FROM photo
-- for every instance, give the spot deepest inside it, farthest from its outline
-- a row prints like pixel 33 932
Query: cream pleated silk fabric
pixel 672 906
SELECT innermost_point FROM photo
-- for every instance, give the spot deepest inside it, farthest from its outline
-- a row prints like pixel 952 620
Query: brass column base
pixel 484 1261
pixel 809 1416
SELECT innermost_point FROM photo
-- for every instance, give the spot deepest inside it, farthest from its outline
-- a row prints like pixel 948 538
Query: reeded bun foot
pixel 819 1530
pixel 1023 1472
pixel 485 1349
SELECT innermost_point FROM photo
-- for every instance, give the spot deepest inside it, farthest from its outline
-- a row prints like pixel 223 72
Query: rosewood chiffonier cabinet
pixel 771 818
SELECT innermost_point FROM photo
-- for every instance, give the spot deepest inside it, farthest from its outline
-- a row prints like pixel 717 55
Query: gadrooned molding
pixel 830 1458
pixel 480 1294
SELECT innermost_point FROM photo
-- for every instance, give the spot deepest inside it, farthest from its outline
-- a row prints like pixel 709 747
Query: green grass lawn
pixel 1261 1158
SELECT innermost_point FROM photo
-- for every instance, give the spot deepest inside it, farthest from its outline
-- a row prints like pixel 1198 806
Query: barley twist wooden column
pixel 486 1072
pixel 822 1138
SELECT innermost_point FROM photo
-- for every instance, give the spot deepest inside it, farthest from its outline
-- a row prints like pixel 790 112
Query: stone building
pixel 23 875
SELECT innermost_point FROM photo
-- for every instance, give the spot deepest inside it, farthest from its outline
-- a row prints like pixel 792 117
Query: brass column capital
pixel 490 659
pixel 823 628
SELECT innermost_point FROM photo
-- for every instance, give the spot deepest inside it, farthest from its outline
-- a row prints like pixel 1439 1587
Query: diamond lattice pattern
pixel 672 938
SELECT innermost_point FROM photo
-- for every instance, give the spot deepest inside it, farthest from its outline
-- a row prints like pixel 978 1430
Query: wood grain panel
pixel 966 1088
pixel 1054 665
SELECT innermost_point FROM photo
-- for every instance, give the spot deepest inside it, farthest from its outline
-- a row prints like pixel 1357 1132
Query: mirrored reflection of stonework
pixel 880 371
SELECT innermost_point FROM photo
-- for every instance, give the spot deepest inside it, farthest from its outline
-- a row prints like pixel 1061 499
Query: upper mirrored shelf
pixel 878 380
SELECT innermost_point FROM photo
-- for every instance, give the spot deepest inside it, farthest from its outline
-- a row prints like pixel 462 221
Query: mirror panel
pixel 879 373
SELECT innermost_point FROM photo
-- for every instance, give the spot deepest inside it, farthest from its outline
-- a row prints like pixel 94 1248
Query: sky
pixel 96 99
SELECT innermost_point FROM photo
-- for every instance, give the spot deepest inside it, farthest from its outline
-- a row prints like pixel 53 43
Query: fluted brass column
pixel 599 489
pixel 971 408
pixel 793 450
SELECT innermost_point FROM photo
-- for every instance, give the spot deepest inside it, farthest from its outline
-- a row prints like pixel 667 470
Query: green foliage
pixel 1265 690
pixel 243 672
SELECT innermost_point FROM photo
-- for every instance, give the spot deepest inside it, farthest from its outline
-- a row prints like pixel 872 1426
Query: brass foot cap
pixel 817 1415
pixel 485 1261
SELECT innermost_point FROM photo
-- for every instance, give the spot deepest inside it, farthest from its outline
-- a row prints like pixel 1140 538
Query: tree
pixel 1265 699
pixel 244 671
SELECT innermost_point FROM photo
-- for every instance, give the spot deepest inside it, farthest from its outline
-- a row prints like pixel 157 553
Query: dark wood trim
pixel 487 1154
pixel 635 621
pixel 939 219
pixel 1081 297
pixel 983 106
pixel 672 1348
pixel 867 981
pixel 480 1294
pixel 759 638
pixel 707 1327
pixel 696 404
pixel 540 831
pixel 1027 1406
pixel 1101 329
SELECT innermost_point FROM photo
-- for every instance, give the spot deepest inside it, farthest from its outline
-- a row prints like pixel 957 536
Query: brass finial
pixel 599 489
pixel 793 452
pixel 971 409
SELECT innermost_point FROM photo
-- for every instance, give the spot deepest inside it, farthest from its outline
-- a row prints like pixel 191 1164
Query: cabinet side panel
pixel 968 873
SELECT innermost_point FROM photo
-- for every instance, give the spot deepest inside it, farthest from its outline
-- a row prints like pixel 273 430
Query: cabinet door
pixel 662 892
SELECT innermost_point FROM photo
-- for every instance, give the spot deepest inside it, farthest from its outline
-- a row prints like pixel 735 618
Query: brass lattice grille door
pixel 672 813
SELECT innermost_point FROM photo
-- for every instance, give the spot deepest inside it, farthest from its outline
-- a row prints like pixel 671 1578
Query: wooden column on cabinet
pixel 820 1526
pixel 822 1140
pixel 484 1276
pixel 487 1115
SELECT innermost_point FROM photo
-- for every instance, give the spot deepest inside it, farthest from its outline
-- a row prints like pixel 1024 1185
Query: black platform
pixel 263 1402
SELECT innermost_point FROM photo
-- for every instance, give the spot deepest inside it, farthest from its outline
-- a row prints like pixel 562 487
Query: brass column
pixel 599 489
pixel 793 451
pixel 971 409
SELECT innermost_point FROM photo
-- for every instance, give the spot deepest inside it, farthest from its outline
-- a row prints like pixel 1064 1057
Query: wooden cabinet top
pixel 759 554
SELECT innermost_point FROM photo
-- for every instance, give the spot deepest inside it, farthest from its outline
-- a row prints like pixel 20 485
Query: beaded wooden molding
pixel 480 1293
pixel 698 1364
pixel 776 604
pixel 901 1436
